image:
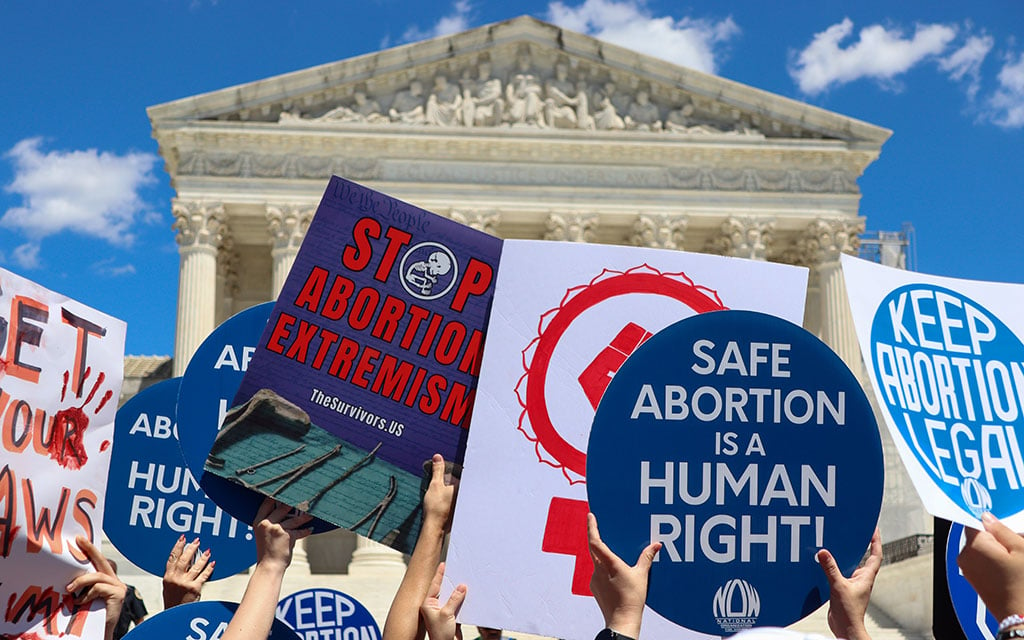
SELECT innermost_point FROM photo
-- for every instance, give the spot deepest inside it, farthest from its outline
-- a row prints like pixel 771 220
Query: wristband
pixel 1009 621
pixel 1006 634
pixel 611 634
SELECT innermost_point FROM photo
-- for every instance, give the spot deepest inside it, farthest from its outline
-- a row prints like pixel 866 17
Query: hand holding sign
pixel 186 573
pixel 620 590
pixel 102 583
pixel 848 602
pixel 993 562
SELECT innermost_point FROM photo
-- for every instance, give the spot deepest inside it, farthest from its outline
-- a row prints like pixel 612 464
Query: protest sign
pixel 210 381
pixel 947 365
pixel 61 367
pixel 367 366
pixel 152 497
pixel 974 618
pixel 565 317
pixel 744 445
pixel 326 614
pixel 198 621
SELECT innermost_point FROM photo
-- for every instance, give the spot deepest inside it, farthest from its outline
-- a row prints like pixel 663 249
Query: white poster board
pixel 946 361
pixel 61 367
pixel 564 317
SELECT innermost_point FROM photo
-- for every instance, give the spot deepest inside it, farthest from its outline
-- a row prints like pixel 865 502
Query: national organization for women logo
pixel 736 605
pixel 429 270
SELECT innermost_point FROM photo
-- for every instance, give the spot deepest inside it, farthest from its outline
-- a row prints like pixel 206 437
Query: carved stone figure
pixel 362 109
pixel 643 114
pixel 408 105
pixel 566 106
pixel 444 105
pixel 681 121
pixel 523 93
pixel 606 117
pixel 482 102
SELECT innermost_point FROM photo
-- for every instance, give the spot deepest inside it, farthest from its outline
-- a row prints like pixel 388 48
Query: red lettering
pixel 474 282
pixel 41 439
pixel 327 339
pixel 337 298
pixel 363 307
pixel 428 337
pixel 416 316
pixel 414 388
pixel 450 342
pixel 280 332
pixel 13 442
pixel 396 240
pixel 356 258
pixel 312 290
pixel 44 527
pixel 9 513
pixel 300 347
pixel 35 601
pixel 470 362
pixel 366 362
pixel 388 320
pixel 342 363
pixel 392 376
pixel 84 498
pixel 458 406
pixel 22 332
pixel 84 329
pixel 431 400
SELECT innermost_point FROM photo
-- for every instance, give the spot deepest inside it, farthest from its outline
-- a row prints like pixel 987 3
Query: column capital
pixel 659 230
pixel 744 237
pixel 824 240
pixel 198 224
pixel 574 227
pixel 288 224
pixel 485 220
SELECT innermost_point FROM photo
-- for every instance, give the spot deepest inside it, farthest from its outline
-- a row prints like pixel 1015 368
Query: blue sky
pixel 85 203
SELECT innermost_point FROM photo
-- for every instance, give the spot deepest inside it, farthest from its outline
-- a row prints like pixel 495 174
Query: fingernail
pixel 196 542
pixel 988 517
pixel 181 538
pixel 206 553
pixel 213 563
pixel 68 588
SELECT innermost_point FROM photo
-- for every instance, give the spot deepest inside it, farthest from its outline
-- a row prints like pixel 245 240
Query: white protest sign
pixel 947 364
pixel 565 317
pixel 61 366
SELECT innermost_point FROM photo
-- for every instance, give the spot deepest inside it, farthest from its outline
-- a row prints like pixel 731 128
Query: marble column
pixel 823 242
pixel 744 237
pixel 571 227
pixel 287 225
pixel 227 275
pixel 199 227
pixel 659 230
pixel 371 556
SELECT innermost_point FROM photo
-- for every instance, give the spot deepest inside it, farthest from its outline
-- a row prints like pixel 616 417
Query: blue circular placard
pixel 199 621
pixel 951 376
pixel 152 498
pixel 326 613
pixel 975 620
pixel 744 445
pixel 207 390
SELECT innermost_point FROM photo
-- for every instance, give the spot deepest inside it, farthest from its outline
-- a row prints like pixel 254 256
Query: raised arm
pixel 276 532
pixel 403 621
pixel 186 573
pixel 848 602
pixel 620 589
pixel 101 583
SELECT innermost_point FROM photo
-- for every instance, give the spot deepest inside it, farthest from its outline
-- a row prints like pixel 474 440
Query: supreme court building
pixel 523 130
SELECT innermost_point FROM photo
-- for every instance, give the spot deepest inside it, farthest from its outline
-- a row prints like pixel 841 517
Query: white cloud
pixel 107 267
pixel 456 21
pixel 1008 100
pixel 879 53
pixel 86 192
pixel 966 61
pixel 26 256
pixel 694 43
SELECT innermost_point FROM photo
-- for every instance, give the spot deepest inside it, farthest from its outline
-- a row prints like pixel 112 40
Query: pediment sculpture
pixel 562 95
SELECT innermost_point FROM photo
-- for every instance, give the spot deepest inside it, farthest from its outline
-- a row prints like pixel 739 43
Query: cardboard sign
pixel 974 618
pixel 947 365
pixel 61 367
pixel 326 614
pixel 367 366
pixel 565 318
pixel 152 497
pixel 198 621
pixel 744 445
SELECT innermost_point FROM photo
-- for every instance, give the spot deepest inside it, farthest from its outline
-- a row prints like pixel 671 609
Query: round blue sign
pixel 198 621
pixel 152 498
pixel 207 390
pixel 975 620
pixel 744 445
pixel 326 613
pixel 951 377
